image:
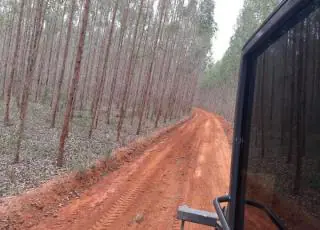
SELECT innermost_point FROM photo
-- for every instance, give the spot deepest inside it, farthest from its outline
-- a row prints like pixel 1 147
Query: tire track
pixel 175 169
pixel 126 199
pixel 156 182
pixel 186 183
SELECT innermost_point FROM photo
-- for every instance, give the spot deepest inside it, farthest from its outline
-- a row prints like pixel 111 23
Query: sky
pixel 226 13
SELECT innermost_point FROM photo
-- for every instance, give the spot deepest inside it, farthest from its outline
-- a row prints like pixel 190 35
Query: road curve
pixel 190 165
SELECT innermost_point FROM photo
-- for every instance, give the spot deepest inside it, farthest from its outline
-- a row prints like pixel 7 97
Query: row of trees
pixel 218 86
pixel 285 128
pixel 140 58
pixel 286 107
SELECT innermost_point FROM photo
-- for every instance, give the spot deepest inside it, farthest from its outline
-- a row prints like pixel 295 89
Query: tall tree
pixel 129 73
pixel 33 52
pixel 149 73
pixel 6 62
pixel 14 63
pixel 220 79
pixel 65 56
pixel 117 58
pixel 74 85
pixel 104 72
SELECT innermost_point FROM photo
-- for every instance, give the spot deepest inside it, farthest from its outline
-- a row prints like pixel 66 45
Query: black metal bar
pixel 223 199
pixel 275 219
pixel 284 12
pixel 220 213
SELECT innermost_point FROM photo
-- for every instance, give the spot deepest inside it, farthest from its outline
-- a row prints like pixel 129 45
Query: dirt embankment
pixel 140 188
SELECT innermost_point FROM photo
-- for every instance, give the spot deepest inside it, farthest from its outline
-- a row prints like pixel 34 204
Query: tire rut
pixel 158 177
pixel 126 199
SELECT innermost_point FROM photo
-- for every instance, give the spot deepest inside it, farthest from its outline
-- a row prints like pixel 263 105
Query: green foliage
pixel 199 17
pixel 207 25
pixel 218 85
pixel 251 16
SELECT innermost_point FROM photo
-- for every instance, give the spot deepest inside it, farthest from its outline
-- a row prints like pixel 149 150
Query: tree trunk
pixel 283 97
pixel 164 87
pixel 65 56
pixel 38 22
pixel 117 62
pixel 89 61
pixel 40 71
pixel 301 106
pixel 292 98
pixel 50 60
pixel 148 77
pixel 129 73
pixel 56 63
pixel 262 96
pixel 101 85
pixel 75 80
pixel 8 56
pixel 14 62
pixel 6 37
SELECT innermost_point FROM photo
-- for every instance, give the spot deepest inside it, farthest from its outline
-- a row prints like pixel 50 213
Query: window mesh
pixel 284 153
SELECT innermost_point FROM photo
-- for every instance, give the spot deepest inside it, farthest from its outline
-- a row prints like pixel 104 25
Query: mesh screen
pixel 284 154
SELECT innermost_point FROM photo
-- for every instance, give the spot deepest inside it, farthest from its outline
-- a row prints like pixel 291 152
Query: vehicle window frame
pixel 285 17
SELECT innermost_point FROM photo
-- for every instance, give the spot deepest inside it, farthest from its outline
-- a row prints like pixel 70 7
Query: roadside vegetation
pixel 218 84
pixel 79 78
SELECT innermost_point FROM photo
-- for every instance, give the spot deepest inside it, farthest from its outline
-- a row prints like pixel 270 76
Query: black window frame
pixel 286 16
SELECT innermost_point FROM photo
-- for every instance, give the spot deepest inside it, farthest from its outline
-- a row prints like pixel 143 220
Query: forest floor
pixel 40 144
pixel 140 188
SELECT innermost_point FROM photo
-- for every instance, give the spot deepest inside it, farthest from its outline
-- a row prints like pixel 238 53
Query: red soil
pixel 140 188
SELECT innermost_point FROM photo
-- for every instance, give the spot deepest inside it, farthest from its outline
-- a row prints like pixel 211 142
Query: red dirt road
pixel 189 165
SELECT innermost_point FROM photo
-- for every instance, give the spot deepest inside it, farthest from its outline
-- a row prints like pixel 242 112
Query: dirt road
pixel 190 165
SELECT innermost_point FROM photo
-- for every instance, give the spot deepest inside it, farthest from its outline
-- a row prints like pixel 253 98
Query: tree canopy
pixel 217 88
